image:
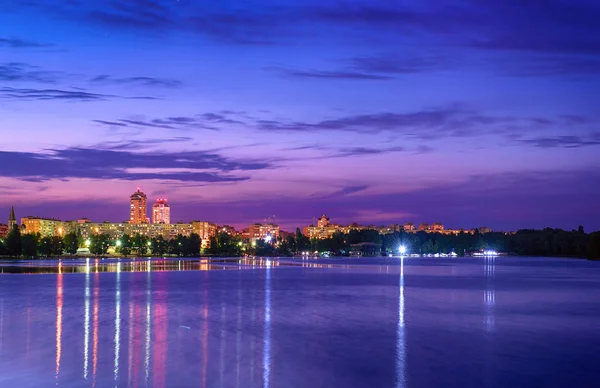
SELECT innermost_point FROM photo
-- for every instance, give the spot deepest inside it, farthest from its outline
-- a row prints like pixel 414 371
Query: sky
pixel 470 113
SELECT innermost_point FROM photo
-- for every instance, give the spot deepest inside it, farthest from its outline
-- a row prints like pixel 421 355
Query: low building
pixel 437 227
pixel 45 227
pixel 365 249
pixel 3 230
pixel 409 227
pixel 263 232
pixel 323 222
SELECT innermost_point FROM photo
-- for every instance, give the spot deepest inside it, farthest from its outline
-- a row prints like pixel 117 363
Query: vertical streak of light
pixel 238 336
pixel 401 345
pixel 160 344
pixel 222 336
pixel 28 335
pixel 1 325
pixel 86 324
pixel 117 323
pixel 148 334
pixel 205 338
pixel 130 342
pixel 95 318
pixel 267 334
pixel 59 307
pixel 490 294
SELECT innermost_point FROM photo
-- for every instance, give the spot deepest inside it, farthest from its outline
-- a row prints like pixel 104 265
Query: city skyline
pixel 374 113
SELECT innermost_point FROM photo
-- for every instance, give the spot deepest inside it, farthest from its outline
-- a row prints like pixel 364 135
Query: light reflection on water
pixel 286 323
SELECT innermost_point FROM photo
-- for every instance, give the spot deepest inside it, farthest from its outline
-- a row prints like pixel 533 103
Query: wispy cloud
pixel 209 120
pixel 114 162
pixel 136 81
pixel 565 141
pixel 13 42
pixel 324 74
pixel 29 94
pixel 22 72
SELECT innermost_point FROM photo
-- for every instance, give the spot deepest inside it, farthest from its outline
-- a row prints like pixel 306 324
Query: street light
pixel 402 249
pixel 87 242
pixel 118 243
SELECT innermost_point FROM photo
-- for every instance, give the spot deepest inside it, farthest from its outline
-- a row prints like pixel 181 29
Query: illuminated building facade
pixel 161 212
pixel 138 208
pixel 437 227
pixel 205 230
pixel 263 231
pixel 3 230
pixel 45 227
pixel 323 222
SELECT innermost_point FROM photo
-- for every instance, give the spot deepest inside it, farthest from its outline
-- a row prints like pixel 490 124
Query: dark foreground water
pixel 504 322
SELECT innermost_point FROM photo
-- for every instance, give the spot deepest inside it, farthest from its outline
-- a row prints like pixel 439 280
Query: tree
pixel 12 242
pixel 71 243
pixel 223 244
pixel 140 244
pixel 3 250
pixel 99 244
pixel 124 245
pixel 594 248
pixel 193 245
pixel 29 244
pixel 45 246
pixel 158 246
pixel 302 242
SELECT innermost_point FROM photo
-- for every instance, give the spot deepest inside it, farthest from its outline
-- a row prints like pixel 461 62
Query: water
pixel 386 322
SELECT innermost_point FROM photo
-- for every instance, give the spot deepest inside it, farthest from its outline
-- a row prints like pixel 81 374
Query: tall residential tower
pixel 137 208
pixel 161 212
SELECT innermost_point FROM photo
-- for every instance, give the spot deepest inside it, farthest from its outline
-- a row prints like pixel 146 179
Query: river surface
pixel 381 322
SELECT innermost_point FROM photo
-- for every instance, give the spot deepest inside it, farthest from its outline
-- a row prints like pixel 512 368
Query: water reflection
pixel 295 326
pixel 267 335
pixel 489 268
pixel 59 308
pixel 117 324
pixel 95 323
pixel 86 323
pixel 401 340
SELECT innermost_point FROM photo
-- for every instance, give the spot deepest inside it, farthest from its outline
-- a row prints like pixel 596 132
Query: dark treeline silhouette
pixel 33 245
pixel 545 242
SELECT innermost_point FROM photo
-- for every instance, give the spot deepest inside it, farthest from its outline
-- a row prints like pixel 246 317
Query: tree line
pixel 33 245
pixel 545 242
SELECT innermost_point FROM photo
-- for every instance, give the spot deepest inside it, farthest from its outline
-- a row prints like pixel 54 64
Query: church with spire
pixel 12 220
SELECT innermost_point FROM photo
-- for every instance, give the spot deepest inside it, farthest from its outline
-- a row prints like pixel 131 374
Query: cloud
pixel 348 190
pixel 115 162
pixel 136 81
pixel 22 72
pixel 322 74
pixel 28 94
pixel 210 121
pixel 136 145
pixel 22 43
pixel 451 121
pixel 565 141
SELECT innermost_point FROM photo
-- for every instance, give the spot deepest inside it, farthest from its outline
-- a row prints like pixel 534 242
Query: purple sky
pixel 469 113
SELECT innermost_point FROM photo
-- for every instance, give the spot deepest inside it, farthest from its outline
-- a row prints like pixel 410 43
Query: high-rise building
pixel 12 220
pixel 161 212
pixel 137 208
